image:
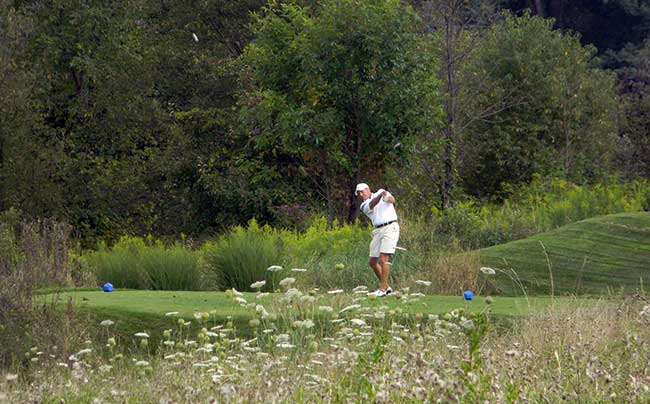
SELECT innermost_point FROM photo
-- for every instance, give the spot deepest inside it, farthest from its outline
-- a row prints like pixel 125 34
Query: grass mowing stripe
pixel 592 256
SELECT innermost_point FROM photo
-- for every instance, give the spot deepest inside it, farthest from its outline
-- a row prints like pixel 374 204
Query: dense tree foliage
pixel 338 93
pixel 135 117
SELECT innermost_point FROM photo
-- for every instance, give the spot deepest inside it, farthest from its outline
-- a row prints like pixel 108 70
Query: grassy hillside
pixel 594 256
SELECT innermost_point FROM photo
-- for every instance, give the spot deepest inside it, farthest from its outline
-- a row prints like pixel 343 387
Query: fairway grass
pixel 596 256
pixel 137 311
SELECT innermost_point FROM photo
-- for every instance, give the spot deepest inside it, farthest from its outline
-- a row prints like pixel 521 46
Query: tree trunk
pixel 450 107
pixel 538 7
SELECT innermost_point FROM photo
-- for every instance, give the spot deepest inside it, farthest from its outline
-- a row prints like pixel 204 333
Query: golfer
pixel 380 208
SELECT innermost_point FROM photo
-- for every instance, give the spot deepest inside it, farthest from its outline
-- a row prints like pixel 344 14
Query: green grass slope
pixel 594 256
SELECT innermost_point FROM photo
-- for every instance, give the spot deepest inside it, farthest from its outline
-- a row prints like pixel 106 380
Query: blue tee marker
pixel 108 287
pixel 468 295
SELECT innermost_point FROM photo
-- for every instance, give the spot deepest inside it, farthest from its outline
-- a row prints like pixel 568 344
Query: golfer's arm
pixel 376 200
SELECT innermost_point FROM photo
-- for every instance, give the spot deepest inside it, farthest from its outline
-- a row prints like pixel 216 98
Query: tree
pixel 337 93
pixel 564 125
pixel 634 117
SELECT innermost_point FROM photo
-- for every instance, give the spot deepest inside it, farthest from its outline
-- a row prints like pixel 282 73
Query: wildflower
pixel 274 268
pixel 286 282
pixel 167 334
pixel 417 294
pixel 325 309
pixel 141 335
pixel 298 270
pixel 348 308
pixel 358 322
pixel 105 368
pixel 467 325
pixel 62 365
pixel 260 296
pixel 142 363
pixel 11 377
pixel 285 345
pixel 258 285
pixel 335 292
pixel 106 323
pixel 306 299
pixel 423 283
pixel 111 342
pixel 83 352
pixel 171 313
pixel 306 324
pixel 169 344
pixel 241 300
pixel 487 270
pixel 254 323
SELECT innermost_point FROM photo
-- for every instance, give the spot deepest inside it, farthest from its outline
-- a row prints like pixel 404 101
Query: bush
pixel 242 256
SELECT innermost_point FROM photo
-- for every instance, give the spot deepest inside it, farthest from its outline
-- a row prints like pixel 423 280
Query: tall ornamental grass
pixel 171 268
pixel 136 263
pixel 243 256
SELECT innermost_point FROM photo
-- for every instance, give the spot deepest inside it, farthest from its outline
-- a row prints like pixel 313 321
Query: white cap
pixel 361 187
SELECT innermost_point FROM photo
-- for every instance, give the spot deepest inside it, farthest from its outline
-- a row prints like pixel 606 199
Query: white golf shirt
pixel 383 212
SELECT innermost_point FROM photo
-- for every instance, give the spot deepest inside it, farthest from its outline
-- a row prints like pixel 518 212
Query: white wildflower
pixel 142 363
pixel 487 270
pixel 298 270
pixel 105 368
pixel 107 323
pixel 258 285
pixel 358 322
pixel 335 292
pixel 285 345
pixel 423 283
pixel 241 300
pixel 83 352
pixel 141 335
pixel 352 307
pixel 171 314
pixel 11 377
pixel 274 268
pixel 286 282
pixel 260 296
pixel 325 309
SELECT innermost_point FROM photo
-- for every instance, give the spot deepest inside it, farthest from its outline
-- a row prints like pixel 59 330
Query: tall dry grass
pixel 33 255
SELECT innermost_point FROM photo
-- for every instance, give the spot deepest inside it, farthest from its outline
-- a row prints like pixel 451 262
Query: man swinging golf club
pixel 380 208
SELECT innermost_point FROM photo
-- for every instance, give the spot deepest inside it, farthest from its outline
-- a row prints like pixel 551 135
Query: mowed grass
pixel 594 256
pixel 136 310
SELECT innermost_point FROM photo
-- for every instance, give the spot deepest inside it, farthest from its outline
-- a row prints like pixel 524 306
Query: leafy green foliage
pixel 556 108
pixel 333 90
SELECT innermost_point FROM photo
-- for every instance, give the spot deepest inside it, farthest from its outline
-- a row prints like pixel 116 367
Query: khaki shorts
pixel 384 240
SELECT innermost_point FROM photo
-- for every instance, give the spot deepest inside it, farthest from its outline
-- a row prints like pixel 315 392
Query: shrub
pixel 241 257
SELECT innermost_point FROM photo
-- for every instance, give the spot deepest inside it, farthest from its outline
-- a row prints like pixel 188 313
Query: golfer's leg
pixel 374 264
pixel 384 264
